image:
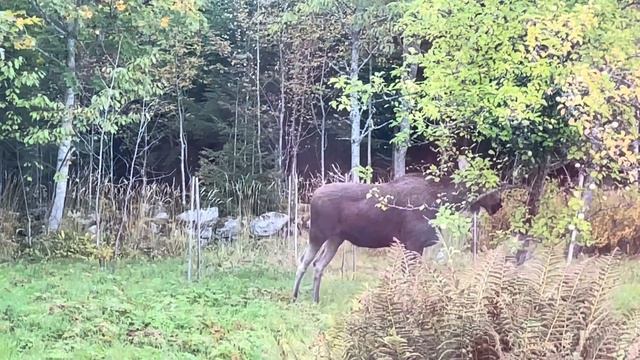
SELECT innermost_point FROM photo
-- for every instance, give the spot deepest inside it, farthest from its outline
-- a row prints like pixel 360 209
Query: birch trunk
pixel 323 146
pixel 584 183
pixel 183 148
pixel 97 206
pixel 258 90
pixel 281 115
pixel 369 120
pixel 636 146
pixel 323 125
pixel 235 129
pixel 355 115
pixel 400 149
pixel 65 148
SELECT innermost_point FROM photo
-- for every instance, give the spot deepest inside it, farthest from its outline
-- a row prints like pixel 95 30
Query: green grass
pixel 147 310
pixel 627 296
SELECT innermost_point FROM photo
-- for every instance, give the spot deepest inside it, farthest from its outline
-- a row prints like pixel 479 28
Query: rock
pixel 207 215
pixel 229 230
pixel 268 224
pixel 93 229
pixel 162 216
pixel 441 256
pixel 205 234
pixel 155 229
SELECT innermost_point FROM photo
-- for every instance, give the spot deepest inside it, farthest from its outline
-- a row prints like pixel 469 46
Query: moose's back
pixel 343 210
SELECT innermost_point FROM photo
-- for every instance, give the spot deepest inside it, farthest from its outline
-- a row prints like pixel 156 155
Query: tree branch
pixel 51 57
pixel 58 26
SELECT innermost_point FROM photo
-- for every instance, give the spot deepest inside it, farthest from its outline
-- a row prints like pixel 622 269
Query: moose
pixel 347 211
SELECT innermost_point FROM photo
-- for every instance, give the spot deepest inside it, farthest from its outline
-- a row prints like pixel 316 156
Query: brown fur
pixel 341 211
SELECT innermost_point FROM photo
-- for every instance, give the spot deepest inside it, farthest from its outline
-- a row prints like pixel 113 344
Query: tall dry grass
pixel 128 214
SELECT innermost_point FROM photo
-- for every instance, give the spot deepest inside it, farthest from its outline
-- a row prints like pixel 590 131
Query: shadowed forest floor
pixel 147 310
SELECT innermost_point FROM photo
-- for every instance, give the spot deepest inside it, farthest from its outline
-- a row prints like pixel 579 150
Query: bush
pixel 610 222
pixel 551 226
pixel 491 310
pixel 614 220
pixel 63 244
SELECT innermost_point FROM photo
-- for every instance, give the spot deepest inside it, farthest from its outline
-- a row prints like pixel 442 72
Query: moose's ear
pixel 490 201
pixel 463 163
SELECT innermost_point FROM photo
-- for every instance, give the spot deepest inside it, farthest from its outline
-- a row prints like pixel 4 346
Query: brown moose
pixel 343 211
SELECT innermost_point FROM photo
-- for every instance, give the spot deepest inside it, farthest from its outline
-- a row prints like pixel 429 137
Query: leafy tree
pixel 365 26
pixel 102 59
pixel 508 74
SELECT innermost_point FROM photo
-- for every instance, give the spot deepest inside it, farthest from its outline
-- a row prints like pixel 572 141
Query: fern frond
pixel 629 341
pixel 492 310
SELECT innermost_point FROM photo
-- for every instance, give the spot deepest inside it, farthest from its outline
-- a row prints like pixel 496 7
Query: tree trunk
pixel 258 89
pixel 369 139
pixel 400 148
pixel 354 115
pixel 65 149
pixel 281 115
pixel 323 124
pixel 323 146
pixel 636 146
pixel 537 189
pixel 584 184
pixel 235 129
pixel 369 119
pixel 97 206
pixel 91 161
pixel 183 148
pixel 145 158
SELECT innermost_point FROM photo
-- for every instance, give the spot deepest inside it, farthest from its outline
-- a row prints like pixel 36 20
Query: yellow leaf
pixel 120 5
pixel 27 42
pixel 532 36
pixel 85 12
pixel 164 22
pixel 20 23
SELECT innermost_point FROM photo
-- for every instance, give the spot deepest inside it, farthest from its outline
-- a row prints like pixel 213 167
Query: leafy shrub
pixel 491 310
pixel 614 219
pixel 610 222
pixel 558 215
pixel 9 223
pixel 453 231
pixel 63 244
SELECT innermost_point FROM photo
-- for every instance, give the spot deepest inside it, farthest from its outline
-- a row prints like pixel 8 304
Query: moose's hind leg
pixel 329 251
pixel 305 261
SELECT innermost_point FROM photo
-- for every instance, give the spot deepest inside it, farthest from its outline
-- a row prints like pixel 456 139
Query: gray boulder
pixel 207 215
pixel 205 234
pixel 268 224
pixel 230 229
pixel 160 217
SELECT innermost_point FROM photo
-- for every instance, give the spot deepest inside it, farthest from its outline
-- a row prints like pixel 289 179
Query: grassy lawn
pixel 146 310
pixel 628 295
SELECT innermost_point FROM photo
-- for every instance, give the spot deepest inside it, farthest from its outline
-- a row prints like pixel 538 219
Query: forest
pixel 158 160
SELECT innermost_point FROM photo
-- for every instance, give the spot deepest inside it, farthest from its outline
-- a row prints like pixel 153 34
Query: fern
pixel 491 310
